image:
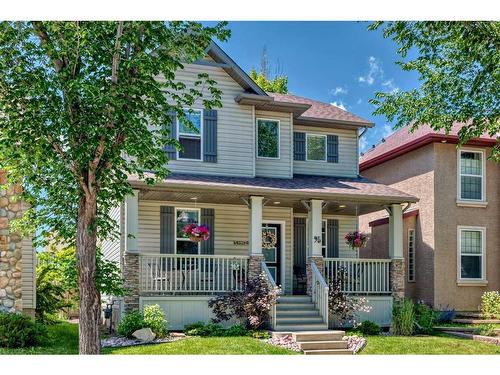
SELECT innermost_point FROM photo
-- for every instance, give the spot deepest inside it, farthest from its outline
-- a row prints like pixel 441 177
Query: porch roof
pixel 300 186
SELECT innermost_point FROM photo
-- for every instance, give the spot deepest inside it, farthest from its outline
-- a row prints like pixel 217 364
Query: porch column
pixel 255 236
pixel 397 271
pixel 315 217
pixel 131 254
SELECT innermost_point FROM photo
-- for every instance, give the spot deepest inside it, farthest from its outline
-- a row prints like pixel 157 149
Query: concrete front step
pixel 294 299
pixel 299 320
pixel 296 313
pixel 301 327
pixel 295 306
pixel 476 321
pixel 328 352
pixel 322 345
pixel 325 335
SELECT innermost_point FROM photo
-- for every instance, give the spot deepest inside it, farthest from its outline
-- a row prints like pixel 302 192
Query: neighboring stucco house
pixel 451 235
pixel 275 179
pixel 17 257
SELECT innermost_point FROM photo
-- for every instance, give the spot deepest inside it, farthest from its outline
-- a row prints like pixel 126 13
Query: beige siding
pixel 111 246
pixel 281 167
pixel 231 224
pixel 28 274
pixel 235 146
pixel 348 155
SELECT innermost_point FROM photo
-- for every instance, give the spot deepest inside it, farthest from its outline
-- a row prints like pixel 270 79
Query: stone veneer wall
pixel 10 249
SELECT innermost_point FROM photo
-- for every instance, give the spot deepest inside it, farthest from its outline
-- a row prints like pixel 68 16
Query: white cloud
pixel 359 101
pixel 387 130
pixel 374 71
pixel 390 85
pixel 363 144
pixel 338 91
pixel 340 105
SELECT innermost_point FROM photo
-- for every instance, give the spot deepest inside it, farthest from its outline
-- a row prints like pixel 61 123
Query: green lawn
pixel 436 344
pixel 64 340
pixel 205 345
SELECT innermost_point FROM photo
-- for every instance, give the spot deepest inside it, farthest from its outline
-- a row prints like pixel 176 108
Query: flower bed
pixel 121 341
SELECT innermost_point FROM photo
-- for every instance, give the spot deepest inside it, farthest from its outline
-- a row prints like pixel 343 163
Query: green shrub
pixel 261 335
pixel 154 317
pixel 192 326
pixel 236 330
pixel 216 330
pixel 369 328
pixel 425 318
pixel 19 331
pixel 490 304
pixel 485 330
pixel 130 323
pixel 403 318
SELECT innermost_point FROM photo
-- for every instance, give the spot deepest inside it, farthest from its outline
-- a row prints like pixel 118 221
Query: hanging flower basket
pixel 196 233
pixel 356 240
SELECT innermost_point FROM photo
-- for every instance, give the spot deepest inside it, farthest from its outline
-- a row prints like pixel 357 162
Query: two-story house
pixel 450 236
pixel 275 179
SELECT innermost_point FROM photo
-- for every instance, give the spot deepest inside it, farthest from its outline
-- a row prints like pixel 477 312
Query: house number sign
pixel 240 243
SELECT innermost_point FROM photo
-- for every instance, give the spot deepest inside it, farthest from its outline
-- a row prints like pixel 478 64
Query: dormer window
pixel 268 139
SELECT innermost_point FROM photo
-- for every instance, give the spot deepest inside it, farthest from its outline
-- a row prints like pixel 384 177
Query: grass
pixel 436 344
pixel 63 339
pixel 450 324
pixel 205 345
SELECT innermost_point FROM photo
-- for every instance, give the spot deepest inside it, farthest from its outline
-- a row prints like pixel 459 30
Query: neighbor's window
pixel 471 175
pixel 190 136
pixel 471 248
pixel 316 147
pixel 268 138
pixel 411 255
pixel 184 217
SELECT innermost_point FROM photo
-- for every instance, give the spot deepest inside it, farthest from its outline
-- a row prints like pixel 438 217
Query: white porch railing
pixel 170 273
pixel 361 276
pixel 272 283
pixel 319 292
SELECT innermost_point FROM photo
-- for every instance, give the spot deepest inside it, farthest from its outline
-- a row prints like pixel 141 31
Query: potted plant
pixel 196 233
pixel 356 239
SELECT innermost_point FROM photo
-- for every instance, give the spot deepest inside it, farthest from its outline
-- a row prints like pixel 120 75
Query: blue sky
pixel 334 62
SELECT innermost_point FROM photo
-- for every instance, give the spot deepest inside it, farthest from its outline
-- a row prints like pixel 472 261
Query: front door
pixel 271 249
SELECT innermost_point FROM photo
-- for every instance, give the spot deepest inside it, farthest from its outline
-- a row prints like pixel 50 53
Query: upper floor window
pixel 471 175
pixel 190 136
pixel 268 138
pixel 184 217
pixel 315 147
pixel 471 250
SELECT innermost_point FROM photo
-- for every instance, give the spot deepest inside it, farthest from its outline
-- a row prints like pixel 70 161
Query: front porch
pixel 293 236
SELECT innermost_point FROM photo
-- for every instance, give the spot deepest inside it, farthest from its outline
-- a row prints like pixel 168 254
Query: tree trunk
pixel 86 247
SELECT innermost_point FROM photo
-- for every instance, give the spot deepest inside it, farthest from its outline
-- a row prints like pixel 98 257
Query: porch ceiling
pixel 342 196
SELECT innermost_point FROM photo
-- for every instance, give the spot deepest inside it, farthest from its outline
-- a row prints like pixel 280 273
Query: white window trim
pixel 326 145
pixel 188 135
pixel 481 280
pixel 471 202
pixel 257 138
pixel 412 280
pixel 175 227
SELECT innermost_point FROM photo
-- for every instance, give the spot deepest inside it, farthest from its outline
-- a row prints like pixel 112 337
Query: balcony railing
pixel 208 274
pixel 360 276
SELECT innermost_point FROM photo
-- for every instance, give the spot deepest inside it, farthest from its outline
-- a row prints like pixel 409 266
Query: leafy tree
pixel 84 105
pixel 278 84
pixel 459 66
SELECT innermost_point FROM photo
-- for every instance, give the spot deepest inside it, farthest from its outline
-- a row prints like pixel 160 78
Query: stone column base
pixel 131 281
pixel 255 265
pixel 320 263
pixel 397 277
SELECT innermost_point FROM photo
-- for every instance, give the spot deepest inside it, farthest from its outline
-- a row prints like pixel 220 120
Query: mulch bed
pixel 120 341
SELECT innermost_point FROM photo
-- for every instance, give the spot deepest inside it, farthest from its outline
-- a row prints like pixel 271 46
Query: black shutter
pixel 299 146
pixel 332 242
pixel 208 219
pixel 167 230
pixel 210 135
pixel 171 149
pixel 332 148
pixel 299 242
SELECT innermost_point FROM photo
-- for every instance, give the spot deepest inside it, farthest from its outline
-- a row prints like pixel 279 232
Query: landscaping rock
pixel 144 335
